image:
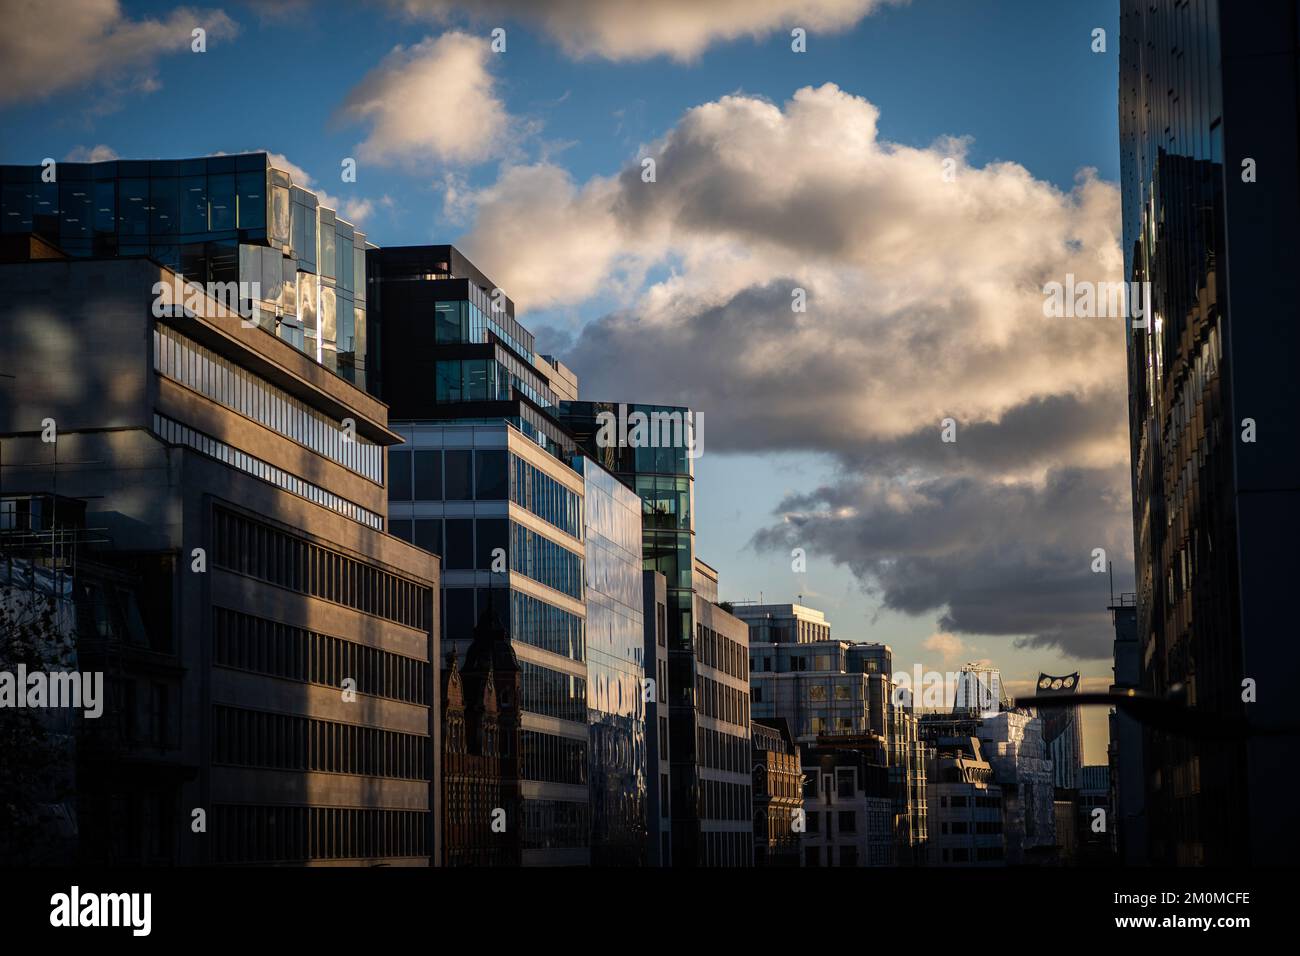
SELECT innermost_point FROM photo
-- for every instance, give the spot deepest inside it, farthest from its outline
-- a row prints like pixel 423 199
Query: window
pixel 428 534
pixel 428 475
pixel 490 475
pixel 399 476
pixel 460 544
pixel 459 480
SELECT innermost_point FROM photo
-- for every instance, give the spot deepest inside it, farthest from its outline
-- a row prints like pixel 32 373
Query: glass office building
pixel 663 478
pixel 216 219
pixel 1208 141
pixel 508 520
pixel 615 668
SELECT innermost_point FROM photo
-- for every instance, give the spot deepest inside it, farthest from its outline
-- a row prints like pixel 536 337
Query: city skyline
pixel 566 121
pixel 605 433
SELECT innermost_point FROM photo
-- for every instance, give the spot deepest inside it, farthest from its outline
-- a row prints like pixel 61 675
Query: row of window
pixel 462 322
pixel 178 434
pixel 721 653
pixel 555 825
pixel 279 834
pixel 216 377
pixel 983 854
pixel 717 700
pixel 545 561
pixel 256 738
pixel 255 644
pixel 724 801
pixel 456 474
pixel 249 547
pixel 553 694
pixel 532 488
pixel 550 628
pixel 722 751
pixel 553 759
pixel 726 849
pixel 847 821
pixel 962 827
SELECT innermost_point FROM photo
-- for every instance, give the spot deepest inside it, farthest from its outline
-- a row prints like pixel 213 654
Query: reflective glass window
pixel 428 475
pixel 459 479
pixel 221 202
pixel 251 200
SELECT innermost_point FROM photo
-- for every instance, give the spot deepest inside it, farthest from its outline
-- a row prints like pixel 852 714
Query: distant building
pixel 1095 815
pixel 777 793
pixel 966 813
pixel 848 806
pixel 1062 729
pixel 832 691
pixel 979 690
pixel 784 623
pixel 1126 752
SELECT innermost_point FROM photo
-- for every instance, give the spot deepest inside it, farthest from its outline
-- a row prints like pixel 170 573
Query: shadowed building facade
pixel 279 704
pixel 1209 148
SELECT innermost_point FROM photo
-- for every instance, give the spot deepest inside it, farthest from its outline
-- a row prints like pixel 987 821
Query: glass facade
pixel 664 480
pixel 213 219
pixel 452 489
pixel 615 668
pixel 1178 177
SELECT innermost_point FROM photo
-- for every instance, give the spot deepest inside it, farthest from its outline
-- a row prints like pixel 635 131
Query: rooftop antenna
pixel 1110 566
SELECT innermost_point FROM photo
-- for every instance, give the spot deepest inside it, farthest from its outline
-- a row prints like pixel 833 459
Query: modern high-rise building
pixel 1062 729
pixel 1208 151
pixel 492 481
pixel 979 690
pixel 271 654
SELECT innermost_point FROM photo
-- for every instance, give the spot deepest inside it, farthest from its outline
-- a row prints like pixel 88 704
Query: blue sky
pixel 1018 78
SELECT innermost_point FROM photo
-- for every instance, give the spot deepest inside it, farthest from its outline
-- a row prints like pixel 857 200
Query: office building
pixel 272 654
pixel 659 818
pixel 616 706
pixel 1208 155
pixel 784 623
pixel 722 729
pixel 490 480
pixel 831 692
